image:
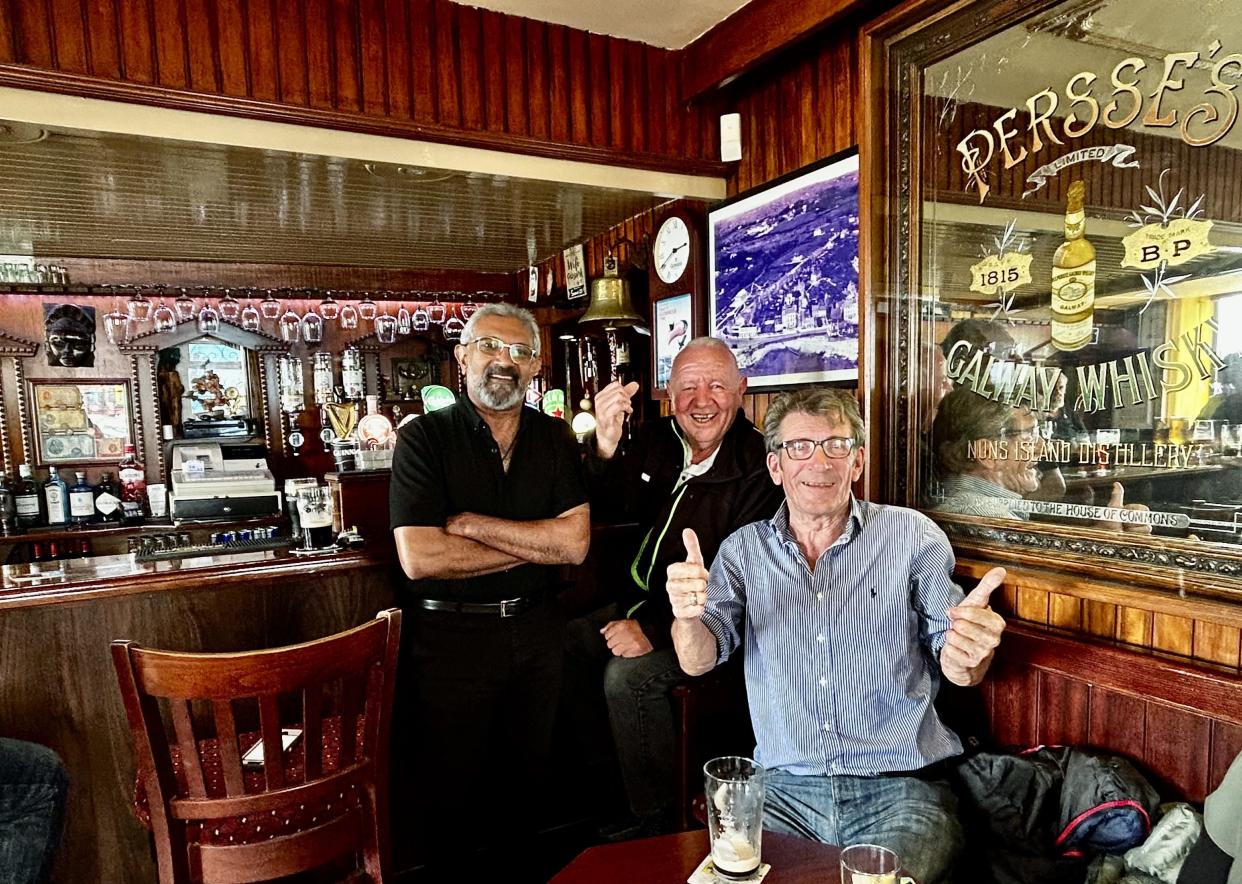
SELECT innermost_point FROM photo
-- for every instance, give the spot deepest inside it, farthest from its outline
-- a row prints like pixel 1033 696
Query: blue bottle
pixel 56 493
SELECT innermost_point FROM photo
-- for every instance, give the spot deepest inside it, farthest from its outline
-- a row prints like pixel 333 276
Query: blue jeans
pixel 33 785
pixel 915 818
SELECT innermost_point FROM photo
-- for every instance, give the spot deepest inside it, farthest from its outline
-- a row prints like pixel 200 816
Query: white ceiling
pixel 667 23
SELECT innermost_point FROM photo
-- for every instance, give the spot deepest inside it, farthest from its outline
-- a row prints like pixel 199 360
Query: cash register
pixel 221 480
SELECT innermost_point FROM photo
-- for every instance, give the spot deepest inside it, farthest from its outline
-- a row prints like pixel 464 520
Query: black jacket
pixel 639 486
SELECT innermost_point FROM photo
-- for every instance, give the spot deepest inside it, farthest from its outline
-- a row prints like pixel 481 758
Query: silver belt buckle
pixel 509 607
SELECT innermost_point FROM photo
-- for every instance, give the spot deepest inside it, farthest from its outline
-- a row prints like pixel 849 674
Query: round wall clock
pixel 671 251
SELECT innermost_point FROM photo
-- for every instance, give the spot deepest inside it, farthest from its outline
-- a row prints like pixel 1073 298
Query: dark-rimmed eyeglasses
pixel 490 347
pixel 802 449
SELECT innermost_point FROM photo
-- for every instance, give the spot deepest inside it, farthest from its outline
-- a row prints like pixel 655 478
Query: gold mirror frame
pixel 894 52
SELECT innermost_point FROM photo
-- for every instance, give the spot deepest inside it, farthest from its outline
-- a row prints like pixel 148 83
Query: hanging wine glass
pixel 385 328
pixel 312 327
pixel 164 318
pixel 367 309
pixel 470 308
pixel 230 307
pixel 290 327
pixel 420 320
pixel 138 307
pixel 270 307
pixel 403 321
pixel 184 306
pixel 349 317
pixel 250 318
pixel 329 309
pixel 436 312
pixel 453 328
pixel 208 319
pixel 116 325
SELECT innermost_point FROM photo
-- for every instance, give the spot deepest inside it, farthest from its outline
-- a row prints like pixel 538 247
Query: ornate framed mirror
pixel 1053 251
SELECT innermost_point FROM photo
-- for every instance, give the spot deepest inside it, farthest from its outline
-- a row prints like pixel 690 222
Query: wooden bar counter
pixel 58 688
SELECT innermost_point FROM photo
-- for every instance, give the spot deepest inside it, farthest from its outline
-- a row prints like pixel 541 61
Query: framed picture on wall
pixel 783 272
pixel 80 423
pixel 672 328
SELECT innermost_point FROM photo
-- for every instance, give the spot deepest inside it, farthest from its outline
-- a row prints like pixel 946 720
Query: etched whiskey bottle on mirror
pixel 1073 278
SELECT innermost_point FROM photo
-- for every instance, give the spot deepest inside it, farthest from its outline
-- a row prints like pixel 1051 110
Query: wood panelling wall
pixel 796 110
pixel 429 68
pixel 1204 629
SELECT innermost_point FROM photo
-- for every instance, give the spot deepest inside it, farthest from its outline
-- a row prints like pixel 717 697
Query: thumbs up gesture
pixel 1117 501
pixel 687 581
pixel 612 404
pixel 974 633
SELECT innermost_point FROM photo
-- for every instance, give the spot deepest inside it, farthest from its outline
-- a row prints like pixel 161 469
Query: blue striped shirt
pixel 841 663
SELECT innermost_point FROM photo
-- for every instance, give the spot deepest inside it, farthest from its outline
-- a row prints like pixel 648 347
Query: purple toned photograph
pixel 784 276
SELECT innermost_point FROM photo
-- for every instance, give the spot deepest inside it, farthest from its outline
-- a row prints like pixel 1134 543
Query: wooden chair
pixel 315 803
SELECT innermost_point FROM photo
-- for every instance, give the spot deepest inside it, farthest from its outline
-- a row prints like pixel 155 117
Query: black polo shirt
pixel 447 462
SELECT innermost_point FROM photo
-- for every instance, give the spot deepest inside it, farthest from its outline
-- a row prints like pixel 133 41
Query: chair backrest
pixel 339 687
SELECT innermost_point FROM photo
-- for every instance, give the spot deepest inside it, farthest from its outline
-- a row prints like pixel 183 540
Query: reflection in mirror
pixel 215 379
pixel 1080 274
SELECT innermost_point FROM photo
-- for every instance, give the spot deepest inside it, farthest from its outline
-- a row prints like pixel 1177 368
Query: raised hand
pixel 687 581
pixel 974 633
pixel 1116 500
pixel 612 404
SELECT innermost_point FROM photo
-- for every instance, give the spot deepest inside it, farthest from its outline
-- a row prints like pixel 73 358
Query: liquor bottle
pixel 81 501
pixel 133 482
pixel 56 495
pixel 8 509
pixel 27 499
pixel 1073 278
pixel 107 499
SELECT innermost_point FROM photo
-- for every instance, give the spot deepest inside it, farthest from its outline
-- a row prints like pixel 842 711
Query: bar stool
pixel 317 802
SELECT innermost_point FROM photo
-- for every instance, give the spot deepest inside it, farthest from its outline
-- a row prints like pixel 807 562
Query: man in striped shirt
pixel 848 616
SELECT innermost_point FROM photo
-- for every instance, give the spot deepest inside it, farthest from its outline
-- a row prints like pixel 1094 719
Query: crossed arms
pixel 470 545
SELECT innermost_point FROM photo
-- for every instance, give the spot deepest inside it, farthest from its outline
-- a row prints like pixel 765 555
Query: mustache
pixel 501 371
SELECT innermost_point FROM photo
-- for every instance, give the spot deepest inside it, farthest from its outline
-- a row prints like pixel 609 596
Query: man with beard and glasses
pixel 486 500
pixel 702 468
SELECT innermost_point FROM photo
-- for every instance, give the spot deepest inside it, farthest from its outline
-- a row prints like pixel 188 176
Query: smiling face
pixel 1017 471
pixel 497 383
pixel 818 487
pixel 706 391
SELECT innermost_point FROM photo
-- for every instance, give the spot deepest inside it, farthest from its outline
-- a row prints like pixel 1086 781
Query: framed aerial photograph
pixel 783 271
pixel 80 422
pixel 671 329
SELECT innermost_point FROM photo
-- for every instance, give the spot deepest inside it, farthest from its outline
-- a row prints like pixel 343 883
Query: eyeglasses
pixel 834 446
pixel 1031 432
pixel 495 346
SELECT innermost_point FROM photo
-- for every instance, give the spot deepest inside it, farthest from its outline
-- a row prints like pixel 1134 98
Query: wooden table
pixel 669 859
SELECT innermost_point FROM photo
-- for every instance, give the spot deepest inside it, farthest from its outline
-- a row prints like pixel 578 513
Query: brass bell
pixel 610 299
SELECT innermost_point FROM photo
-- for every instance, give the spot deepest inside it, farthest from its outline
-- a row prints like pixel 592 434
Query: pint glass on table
pixel 734 787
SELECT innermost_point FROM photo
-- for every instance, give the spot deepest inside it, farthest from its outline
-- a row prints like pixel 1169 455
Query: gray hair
pixel 507 311
pixel 705 343
pixel 962 418
pixel 825 402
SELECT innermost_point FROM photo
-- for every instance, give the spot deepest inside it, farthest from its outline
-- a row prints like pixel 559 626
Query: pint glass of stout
pixel 734 788
pixel 315 517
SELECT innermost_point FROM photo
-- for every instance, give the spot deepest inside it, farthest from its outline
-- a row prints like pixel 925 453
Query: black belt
pixel 506 608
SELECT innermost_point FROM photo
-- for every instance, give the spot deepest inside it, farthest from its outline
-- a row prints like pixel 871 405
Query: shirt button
pixel 820 596
pixel 823 682
pixel 820 638
pixel 827 725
